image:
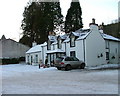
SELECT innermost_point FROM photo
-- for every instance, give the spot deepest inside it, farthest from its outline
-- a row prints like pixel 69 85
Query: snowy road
pixel 27 79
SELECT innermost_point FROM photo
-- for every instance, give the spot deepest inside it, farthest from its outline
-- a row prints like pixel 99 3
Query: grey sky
pixel 11 14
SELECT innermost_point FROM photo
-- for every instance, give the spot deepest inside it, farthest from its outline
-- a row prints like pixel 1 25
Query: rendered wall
pixel 78 49
pixel 113 52
pixel 12 49
pixel 95 48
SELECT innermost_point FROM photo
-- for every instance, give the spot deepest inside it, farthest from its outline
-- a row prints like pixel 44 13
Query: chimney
pixel 101 27
pixel 52 33
pixel 34 44
pixel 3 37
pixel 93 21
pixel 93 25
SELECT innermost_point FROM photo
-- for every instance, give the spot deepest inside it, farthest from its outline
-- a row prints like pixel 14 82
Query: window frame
pixel 59 43
pixel 72 41
pixel 36 58
pixel 107 56
pixel 73 52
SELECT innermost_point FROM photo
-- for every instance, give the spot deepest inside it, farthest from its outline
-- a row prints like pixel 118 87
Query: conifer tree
pixel 39 18
pixel 73 20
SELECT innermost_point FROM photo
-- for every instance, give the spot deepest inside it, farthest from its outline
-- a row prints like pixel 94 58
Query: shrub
pixel 10 61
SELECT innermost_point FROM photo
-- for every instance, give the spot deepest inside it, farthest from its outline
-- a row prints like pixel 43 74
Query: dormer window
pixel 72 41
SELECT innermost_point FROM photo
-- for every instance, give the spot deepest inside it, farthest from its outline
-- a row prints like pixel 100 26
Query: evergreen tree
pixel 39 19
pixel 73 20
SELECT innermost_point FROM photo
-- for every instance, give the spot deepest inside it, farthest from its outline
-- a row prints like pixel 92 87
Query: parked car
pixel 68 63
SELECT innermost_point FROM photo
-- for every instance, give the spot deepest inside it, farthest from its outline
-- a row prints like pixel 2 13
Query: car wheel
pixel 68 67
pixel 82 66
pixel 58 68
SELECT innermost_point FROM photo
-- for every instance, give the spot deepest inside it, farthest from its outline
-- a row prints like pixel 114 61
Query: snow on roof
pixel 55 51
pixel 44 44
pixel 54 42
pixel 52 38
pixel 67 39
pixel 109 37
pixel 83 35
pixel 63 36
pixel 76 33
pixel 36 48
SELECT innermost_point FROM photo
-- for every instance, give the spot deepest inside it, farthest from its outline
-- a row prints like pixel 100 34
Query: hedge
pixel 12 60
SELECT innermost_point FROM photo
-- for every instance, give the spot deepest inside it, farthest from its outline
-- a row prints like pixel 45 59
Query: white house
pixel 112 46
pixel 36 53
pixel 91 45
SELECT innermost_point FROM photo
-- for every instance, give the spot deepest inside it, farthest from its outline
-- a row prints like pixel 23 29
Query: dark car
pixel 68 63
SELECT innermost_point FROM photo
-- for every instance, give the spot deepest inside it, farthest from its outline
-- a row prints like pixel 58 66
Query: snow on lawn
pixel 106 66
pixel 16 69
pixel 28 79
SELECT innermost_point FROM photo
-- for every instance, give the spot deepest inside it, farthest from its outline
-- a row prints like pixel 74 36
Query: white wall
pixel 113 51
pixel 67 48
pixel 94 47
pixel 79 50
pixel 33 58
pixel 43 55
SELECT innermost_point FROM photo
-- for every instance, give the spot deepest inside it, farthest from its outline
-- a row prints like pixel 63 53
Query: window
pixel 72 53
pixel 36 58
pixel 53 47
pixel 72 41
pixel 107 55
pixel 31 59
pixel 59 43
pixel 28 59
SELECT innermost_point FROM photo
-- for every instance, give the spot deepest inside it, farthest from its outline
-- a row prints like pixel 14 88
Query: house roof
pixel 76 33
pixel 55 51
pixel 52 38
pixel 67 39
pixel 44 44
pixel 80 33
pixel 54 42
pixel 84 33
pixel 109 37
pixel 34 49
pixel 63 36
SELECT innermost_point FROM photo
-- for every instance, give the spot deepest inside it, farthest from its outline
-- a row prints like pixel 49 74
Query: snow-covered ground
pixel 27 79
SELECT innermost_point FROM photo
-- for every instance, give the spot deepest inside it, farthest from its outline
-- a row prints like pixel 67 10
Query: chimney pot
pixel 93 21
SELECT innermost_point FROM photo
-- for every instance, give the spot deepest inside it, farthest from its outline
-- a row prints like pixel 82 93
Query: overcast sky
pixel 11 14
